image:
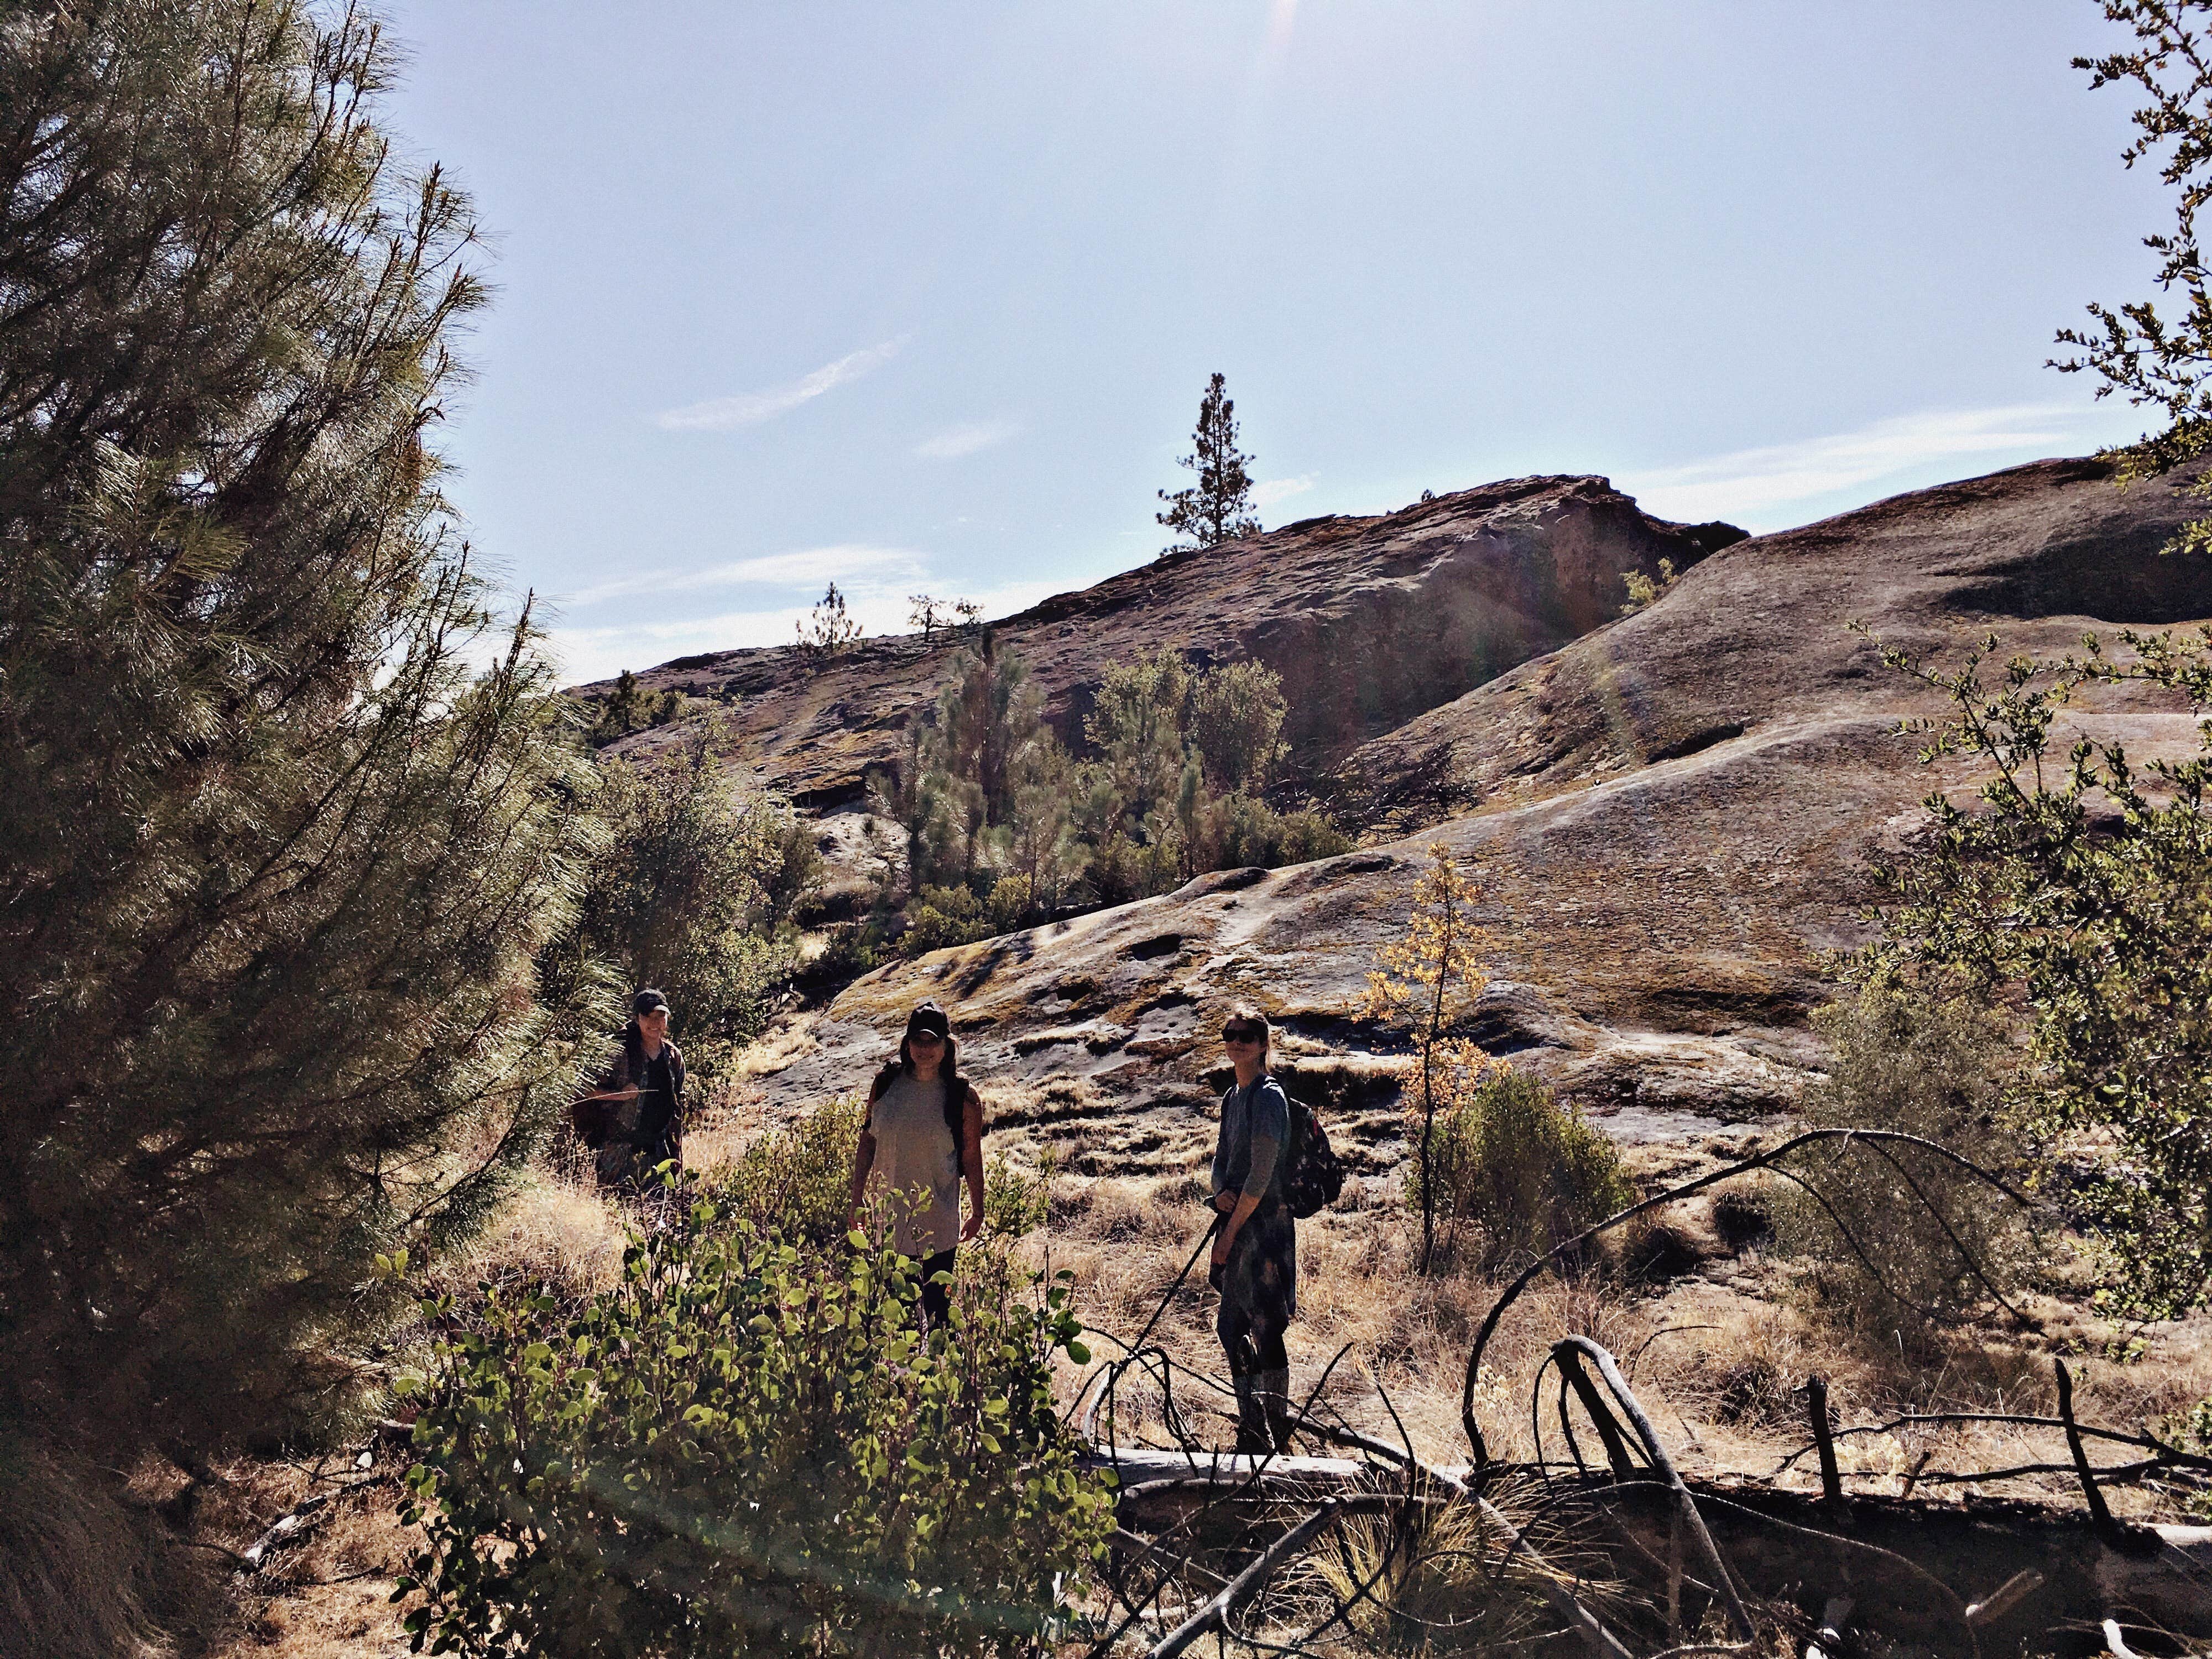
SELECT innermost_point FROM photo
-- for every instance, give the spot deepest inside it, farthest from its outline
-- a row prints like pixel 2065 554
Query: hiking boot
pixel 1252 1431
pixel 1274 1391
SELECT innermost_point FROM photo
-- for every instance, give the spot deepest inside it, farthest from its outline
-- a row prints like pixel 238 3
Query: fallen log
pixel 1985 1554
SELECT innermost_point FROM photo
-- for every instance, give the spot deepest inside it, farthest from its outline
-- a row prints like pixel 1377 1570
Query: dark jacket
pixel 658 1118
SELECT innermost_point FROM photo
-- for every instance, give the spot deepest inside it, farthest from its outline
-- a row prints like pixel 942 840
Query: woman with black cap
pixel 634 1119
pixel 922 1137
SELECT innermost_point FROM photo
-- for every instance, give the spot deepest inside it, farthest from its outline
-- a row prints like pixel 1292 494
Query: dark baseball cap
pixel 928 1016
pixel 645 1002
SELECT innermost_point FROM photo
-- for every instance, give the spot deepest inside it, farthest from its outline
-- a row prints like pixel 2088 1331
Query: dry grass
pixel 556 1227
pixel 326 1595
pixel 75 1562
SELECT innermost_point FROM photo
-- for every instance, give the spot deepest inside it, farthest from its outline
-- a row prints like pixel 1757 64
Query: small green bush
pixel 1519 1169
pixel 943 916
pixel 1931 1069
pixel 695 888
pixel 2193 1432
pixel 798 1181
pixel 1015 1202
pixel 1244 830
pixel 1009 907
pixel 747 1448
pixel 848 950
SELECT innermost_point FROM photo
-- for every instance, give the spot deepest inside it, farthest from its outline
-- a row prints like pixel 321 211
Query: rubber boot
pixel 1252 1440
pixel 1274 1390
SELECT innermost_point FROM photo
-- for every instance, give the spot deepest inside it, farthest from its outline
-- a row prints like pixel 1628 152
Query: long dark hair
pixel 957 1090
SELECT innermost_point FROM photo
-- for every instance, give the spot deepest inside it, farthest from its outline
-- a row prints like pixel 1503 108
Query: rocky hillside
pixel 1674 811
pixel 1370 620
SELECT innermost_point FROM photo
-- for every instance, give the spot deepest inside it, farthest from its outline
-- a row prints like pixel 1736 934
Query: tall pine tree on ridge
pixel 1218 507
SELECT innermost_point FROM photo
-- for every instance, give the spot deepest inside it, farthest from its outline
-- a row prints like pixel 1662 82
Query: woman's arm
pixel 863 1160
pixel 1265 1149
pixel 864 1156
pixel 971 1159
pixel 1226 1238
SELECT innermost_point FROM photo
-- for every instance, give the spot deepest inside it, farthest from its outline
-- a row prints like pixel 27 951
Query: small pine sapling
pixel 1429 980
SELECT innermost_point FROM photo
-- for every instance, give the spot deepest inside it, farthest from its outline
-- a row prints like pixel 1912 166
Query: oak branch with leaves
pixel 2075 890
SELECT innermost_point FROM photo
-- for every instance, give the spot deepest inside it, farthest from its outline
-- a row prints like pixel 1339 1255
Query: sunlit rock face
pixel 1672 811
pixel 1370 620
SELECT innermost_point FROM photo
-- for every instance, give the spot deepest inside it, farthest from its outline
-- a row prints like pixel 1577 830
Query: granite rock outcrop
pixel 1673 810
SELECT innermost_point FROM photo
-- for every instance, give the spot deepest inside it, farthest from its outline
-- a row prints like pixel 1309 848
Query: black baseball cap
pixel 645 1002
pixel 928 1016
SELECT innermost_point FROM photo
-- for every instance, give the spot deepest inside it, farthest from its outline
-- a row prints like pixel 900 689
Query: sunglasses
pixel 1241 1033
pixel 927 1039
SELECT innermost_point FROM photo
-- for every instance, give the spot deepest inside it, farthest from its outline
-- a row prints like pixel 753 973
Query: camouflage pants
pixel 1259 1292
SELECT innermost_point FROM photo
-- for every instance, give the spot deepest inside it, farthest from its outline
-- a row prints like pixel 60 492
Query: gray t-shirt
pixel 917 1167
pixel 1255 1127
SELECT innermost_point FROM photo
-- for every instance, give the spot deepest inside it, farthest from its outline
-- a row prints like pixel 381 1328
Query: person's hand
pixel 1225 1202
pixel 1221 1243
pixel 972 1226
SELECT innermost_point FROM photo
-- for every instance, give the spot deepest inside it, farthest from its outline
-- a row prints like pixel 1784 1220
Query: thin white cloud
pixel 597 654
pixel 751 408
pixel 801 567
pixel 1749 485
pixel 1268 493
pixel 967 439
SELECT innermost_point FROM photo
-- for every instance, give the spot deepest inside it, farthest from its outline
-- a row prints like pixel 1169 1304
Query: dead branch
pixel 1217 1613
pixel 1655 1450
pixel 2148 1442
pixel 1816 1404
pixel 1713 1178
pixel 2007 1596
pixel 2099 1512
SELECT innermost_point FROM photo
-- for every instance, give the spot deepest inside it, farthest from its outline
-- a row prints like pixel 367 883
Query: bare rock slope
pixel 1673 812
pixel 1370 620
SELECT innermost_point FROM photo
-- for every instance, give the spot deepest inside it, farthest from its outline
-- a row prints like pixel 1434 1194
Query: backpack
pixel 1315 1175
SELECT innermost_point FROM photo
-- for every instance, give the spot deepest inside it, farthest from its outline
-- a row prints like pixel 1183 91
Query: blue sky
pixel 921 298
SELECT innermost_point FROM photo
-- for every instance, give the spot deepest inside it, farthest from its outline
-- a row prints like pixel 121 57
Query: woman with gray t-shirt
pixel 923 1137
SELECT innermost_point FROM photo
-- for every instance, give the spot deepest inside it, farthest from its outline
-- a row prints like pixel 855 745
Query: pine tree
pixel 1431 981
pixel 827 629
pixel 280 854
pixel 1218 507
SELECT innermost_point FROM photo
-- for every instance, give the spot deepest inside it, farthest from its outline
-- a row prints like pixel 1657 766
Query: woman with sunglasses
pixel 922 1136
pixel 1256 1264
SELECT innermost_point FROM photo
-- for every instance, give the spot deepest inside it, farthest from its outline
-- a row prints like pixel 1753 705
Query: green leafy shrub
pixel 1642 590
pixel 1015 1202
pixel 2074 890
pixel 1931 1069
pixel 1009 906
pixel 1242 829
pixel 1516 1167
pixel 629 708
pixel 799 1181
pixel 945 916
pixel 695 888
pixel 2193 1432
pixel 747 1448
